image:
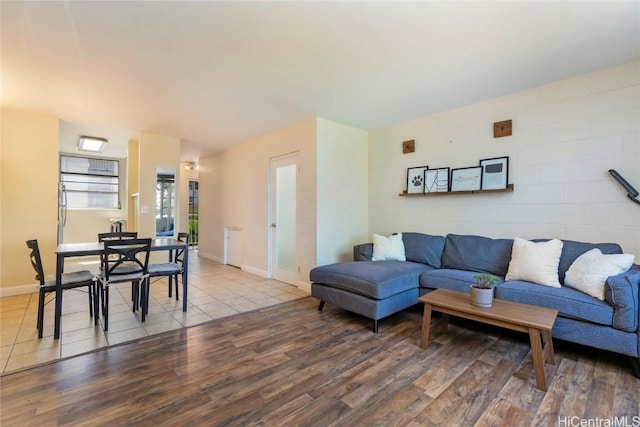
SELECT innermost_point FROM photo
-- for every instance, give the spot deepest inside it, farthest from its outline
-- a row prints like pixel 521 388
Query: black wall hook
pixel 632 193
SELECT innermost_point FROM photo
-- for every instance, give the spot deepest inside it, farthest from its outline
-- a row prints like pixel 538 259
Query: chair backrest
pixel 117 235
pixel 179 255
pixel 36 261
pixel 123 258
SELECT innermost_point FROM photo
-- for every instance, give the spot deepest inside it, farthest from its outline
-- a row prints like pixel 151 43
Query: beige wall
pixel 566 136
pixel 155 151
pixel 234 192
pixel 331 195
pixel 133 185
pixel 29 195
pixel 211 228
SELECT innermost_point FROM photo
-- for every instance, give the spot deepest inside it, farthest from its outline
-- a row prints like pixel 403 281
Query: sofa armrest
pixel 363 252
pixel 621 292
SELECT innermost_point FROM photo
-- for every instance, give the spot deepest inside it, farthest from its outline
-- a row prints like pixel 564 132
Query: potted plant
pixel 482 290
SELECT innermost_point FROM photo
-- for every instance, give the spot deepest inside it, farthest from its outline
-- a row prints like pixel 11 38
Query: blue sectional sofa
pixel 377 289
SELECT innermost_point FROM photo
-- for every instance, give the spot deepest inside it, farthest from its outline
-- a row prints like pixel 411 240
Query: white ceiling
pixel 218 73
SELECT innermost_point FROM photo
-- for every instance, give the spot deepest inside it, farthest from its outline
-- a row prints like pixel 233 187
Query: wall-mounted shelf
pixel 510 189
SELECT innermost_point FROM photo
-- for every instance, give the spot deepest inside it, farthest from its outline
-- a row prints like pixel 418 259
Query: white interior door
pixel 284 261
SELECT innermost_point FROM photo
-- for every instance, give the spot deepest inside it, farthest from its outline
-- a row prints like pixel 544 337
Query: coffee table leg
pixel 538 359
pixel 426 324
pixel 549 355
pixel 444 323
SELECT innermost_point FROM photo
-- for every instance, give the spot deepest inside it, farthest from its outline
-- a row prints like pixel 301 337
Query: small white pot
pixel 481 297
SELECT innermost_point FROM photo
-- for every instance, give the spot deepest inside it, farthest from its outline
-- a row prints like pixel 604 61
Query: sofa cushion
pixel 363 252
pixel 569 302
pixel 424 248
pixel 590 271
pixel 455 280
pixel 388 248
pixel 476 253
pixel 572 250
pixel 369 307
pixel 375 279
pixel 621 292
pixel 535 262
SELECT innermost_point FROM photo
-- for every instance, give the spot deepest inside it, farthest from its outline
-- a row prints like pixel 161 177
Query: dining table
pixel 68 250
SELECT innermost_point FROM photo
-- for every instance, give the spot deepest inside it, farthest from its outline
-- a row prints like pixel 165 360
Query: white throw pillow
pixel 590 271
pixel 388 248
pixel 535 262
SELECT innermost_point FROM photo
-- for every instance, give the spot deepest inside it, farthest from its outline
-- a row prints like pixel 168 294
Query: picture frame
pixel 415 179
pixel 495 173
pixel 436 180
pixel 466 179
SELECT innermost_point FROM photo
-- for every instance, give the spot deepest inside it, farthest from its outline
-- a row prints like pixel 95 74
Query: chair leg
pixel 91 293
pixel 40 323
pixel 177 294
pixel 170 290
pixel 105 307
pixel 96 303
pixel 135 295
pixel 145 298
pixel 321 306
pixel 375 326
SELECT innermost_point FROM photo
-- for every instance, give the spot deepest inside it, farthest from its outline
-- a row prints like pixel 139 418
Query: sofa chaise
pixel 379 288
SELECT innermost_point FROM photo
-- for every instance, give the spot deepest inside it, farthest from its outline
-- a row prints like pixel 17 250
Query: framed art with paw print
pixel 415 179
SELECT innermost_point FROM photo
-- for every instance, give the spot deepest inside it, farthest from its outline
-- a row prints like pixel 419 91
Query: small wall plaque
pixel 501 129
pixel 408 146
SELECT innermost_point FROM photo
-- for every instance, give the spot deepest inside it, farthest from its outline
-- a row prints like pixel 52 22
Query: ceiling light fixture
pixel 92 144
pixel 191 166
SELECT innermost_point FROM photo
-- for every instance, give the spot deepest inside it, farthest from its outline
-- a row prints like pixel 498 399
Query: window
pixel 90 183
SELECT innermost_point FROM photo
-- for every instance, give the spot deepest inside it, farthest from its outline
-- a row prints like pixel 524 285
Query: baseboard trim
pixel 18 290
pixel 210 257
pixel 253 270
pixel 305 286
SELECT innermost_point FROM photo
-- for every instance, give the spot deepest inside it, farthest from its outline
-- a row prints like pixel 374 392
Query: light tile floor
pixel 215 291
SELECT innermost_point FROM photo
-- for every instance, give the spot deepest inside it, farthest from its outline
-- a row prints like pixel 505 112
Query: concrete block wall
pixel 566 136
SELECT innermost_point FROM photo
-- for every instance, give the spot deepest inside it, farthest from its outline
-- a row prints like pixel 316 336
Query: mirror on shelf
pixel 165 201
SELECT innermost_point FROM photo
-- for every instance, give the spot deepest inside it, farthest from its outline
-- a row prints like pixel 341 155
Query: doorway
pixel 283 218
pixel 193 214
pixel 165 202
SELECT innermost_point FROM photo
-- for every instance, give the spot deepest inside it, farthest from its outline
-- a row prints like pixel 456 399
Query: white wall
pixel 566 136
pixel 342 191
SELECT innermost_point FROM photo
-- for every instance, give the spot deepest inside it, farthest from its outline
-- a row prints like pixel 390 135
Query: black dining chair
pixel 117 235
pixel 174 268
pixel 122 261
pixel 75 280
pixel 121 235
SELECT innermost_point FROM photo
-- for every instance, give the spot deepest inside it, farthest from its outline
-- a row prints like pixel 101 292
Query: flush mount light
pixel 91 143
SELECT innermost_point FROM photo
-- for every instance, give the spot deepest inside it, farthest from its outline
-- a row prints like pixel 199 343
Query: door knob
pixel 273 225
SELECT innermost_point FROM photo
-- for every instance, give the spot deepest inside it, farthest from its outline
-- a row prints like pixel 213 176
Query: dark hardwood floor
pixel 292 365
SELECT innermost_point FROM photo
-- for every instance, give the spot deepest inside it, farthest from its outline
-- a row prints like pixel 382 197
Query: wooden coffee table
pixel 526 318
